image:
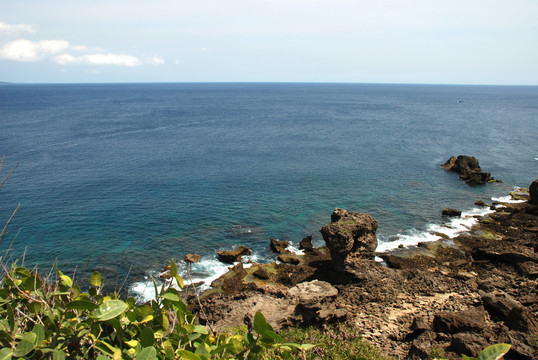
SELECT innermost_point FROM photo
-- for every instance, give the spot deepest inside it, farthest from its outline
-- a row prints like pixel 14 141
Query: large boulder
pixel 233 256
pixel 533 192
pixel 468 168
pixel 350 236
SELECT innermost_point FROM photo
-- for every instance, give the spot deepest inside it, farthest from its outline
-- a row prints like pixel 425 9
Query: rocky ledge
pixel 457 295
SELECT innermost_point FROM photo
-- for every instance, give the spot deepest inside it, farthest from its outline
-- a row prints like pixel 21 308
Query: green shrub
pixel 55 319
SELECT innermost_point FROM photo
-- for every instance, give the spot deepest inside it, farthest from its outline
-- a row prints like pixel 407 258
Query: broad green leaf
pixel 146 319
pixel 201 329
pixel 185 354
pixel 58 355
pixel 66 280
pixel 171 297
pixel 465 357
pixel 260 324
pixel 173 268
pixel 147 337
pixel 117 355
pixel 307 347
pixel 10 316
pixel 147 353
pixel 179 281
pixel 273 336
pixel 132 343
pixel 26 345
pixel 494 352
pixel 81 305
pixel 109 310
pixel 96 279
pixel 5 354
pixel 32 283
pixel 39 330
pixel 103 357
pixel 23 272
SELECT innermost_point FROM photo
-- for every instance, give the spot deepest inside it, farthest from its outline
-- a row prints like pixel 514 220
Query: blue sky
pixel 381 41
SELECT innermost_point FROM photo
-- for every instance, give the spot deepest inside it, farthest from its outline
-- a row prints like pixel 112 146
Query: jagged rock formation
pixel 350 236
pixel 468 168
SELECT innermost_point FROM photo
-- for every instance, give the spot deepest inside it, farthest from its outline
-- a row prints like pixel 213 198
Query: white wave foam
pixel 204 271
pixel 451 228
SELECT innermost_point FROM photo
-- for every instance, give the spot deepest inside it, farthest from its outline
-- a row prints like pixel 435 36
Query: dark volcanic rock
pixel 453 323
pixel 279 246
pixel 468 168
pixel 499 303
pixel 232 256
pixel 451 212
pixel 289 259
pixel 533 192
pixel 306 244
pixel 350 236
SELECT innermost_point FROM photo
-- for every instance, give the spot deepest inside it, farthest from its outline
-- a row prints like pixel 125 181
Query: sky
pixel 356 41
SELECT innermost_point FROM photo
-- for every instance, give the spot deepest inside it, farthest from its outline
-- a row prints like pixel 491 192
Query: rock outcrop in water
pixel 232 256
pixel 468 168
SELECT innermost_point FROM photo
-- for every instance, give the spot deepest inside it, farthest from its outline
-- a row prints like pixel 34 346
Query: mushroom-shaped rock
pixel 350 236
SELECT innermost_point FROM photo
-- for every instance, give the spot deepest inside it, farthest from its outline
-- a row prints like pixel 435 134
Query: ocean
pixel 122 177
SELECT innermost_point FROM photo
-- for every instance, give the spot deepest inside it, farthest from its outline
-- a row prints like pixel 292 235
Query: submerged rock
pixel 350 236
pixel 468 168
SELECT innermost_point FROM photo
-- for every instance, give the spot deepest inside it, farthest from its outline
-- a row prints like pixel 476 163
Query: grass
pixel 337 342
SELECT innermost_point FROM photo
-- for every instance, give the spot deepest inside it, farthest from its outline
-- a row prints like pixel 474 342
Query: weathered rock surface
pixel 232 256
pixel 350 236
pixel 468 168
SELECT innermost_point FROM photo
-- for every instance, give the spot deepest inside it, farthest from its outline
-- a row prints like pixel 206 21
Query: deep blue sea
pixel 131 175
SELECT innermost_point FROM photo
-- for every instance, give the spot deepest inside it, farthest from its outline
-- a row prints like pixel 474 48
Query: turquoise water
pixel 130 175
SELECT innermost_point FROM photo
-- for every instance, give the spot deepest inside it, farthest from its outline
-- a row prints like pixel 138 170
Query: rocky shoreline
pixel 456 295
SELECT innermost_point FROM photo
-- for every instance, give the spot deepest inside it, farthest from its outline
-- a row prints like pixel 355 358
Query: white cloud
pixel 59 51
pixel 98 59
pixel 8 29
pixel 26 50
pixel 156 60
